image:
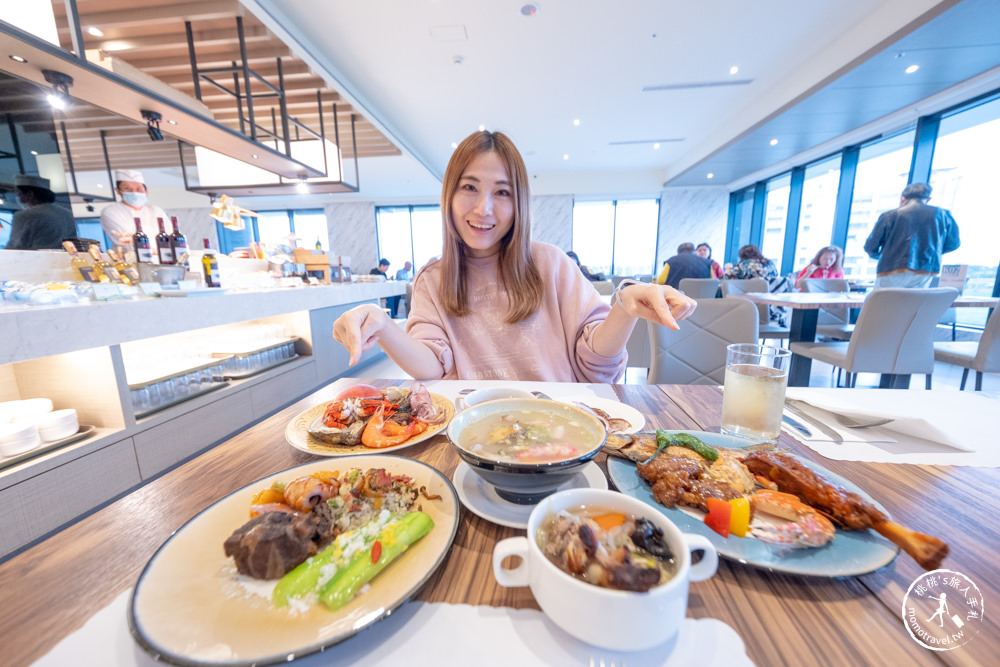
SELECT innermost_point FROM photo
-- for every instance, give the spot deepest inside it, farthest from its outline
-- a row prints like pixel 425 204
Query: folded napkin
pixel 423 632
pixel 929 427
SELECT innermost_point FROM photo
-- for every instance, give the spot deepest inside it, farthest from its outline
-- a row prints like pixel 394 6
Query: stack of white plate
pixel 24 425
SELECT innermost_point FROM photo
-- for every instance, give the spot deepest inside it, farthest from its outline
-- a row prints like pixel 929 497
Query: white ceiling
pixel 530 77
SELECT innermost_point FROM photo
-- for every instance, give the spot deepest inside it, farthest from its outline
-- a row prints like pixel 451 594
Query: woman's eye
pixel 503 193
pixel 467 187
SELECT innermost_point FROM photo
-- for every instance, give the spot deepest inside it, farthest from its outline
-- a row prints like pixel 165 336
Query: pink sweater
pixel 553 345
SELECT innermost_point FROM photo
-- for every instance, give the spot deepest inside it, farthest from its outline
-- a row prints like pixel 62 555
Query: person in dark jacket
pixel 41 224
pixel 908 241
pixel 686 264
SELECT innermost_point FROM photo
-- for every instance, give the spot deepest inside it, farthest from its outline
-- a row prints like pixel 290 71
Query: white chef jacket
pixel 119 217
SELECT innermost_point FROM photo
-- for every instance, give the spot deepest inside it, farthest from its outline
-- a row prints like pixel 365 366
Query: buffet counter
pixel 96 358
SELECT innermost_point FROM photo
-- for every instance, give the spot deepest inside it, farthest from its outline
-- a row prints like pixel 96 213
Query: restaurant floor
pixel 946 377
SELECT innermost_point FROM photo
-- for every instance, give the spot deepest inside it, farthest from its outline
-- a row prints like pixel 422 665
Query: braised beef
pixel 272 544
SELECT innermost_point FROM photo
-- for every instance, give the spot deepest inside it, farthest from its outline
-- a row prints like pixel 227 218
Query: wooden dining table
pixel 53 587
pixel 805 314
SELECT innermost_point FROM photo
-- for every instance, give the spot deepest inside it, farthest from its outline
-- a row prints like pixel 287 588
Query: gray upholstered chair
pixel 696 354
pixel 894 336
pixel 700 288
pixel 603 286
pixel 982 357
pixel 835 321
pixel 765 328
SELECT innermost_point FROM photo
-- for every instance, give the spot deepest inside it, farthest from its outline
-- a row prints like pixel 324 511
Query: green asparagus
pixel 393 540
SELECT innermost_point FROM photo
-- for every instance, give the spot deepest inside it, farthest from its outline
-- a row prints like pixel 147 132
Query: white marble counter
pixel 31 332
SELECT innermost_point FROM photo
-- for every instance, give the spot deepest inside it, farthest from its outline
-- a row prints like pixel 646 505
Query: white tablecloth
pixel 421 633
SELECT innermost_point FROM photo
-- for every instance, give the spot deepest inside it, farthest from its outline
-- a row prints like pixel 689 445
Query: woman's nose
pixel 484 203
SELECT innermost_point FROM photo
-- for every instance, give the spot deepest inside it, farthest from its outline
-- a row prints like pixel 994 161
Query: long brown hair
pixel 517 270
pixel 837 252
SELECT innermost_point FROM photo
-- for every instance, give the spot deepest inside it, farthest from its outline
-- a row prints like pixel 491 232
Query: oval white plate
pixel 189 608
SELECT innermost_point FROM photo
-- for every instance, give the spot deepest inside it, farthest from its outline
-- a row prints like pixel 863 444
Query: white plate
pixel 612 407
pixel 482 500
pixel 189 609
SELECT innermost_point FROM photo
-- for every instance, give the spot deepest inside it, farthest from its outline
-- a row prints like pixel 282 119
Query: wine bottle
pixel 164 253
pixel 106 272
pixel 129 274
pixel 210 266
pixel 178 242
pixel 143 251
pixel 79 264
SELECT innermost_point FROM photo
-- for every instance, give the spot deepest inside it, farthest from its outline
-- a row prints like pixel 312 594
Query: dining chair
pixel 765 328
pixel 699 288
pixel 603 286
pixel 833 322
pixel 894 336
pixel 982 357
pixel 696 353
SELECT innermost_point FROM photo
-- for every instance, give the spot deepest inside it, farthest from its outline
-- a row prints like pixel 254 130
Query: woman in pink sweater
pixel 498 306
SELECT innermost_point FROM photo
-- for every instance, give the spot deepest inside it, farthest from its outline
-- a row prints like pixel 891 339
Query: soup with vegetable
pixel 607 548
pixel 529 436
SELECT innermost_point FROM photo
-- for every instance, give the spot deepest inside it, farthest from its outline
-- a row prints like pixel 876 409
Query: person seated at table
pixel 583 269
pixel 753 264
pixel 498 305
pixel 828 263
pixel 705 251
pixel 685 264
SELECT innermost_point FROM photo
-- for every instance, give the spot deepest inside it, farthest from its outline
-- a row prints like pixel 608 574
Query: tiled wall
pixel 352 234
pixel 698 215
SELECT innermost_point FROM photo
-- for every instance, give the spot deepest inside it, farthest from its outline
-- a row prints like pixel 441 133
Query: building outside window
pixel 775 216
pixel 819 200
pixel 964 177
pixel 616 237
pixel 408 234
pixel 883 169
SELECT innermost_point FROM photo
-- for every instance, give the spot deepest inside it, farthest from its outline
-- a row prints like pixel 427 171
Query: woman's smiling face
pixel 482 208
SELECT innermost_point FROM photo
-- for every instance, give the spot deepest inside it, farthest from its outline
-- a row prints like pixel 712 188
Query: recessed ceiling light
pixel 253 155
pixel 576 121
pixel 302 188
pixel 454 145
pixel 100 185
pixel 709 175
pixel 18 59
pixel 482 128
pixel 34 152
pixel 774 142
pixel 530 9
pixel 734 69
pixel 912 68
pixel 95 31
pixel 172 122
pixel 565 156
pixel 656 147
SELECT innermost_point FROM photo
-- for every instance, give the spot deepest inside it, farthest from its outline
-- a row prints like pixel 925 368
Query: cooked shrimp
pixel 381 433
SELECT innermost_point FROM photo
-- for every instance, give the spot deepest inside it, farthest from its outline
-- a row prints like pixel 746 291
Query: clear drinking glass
pixel 754 392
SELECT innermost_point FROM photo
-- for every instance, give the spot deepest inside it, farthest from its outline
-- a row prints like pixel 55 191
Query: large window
pixel 616 237
pixel 775 216
pixel 819 200
pixel 964 175
pixel 408 234
pixel 294 229
pixel 883 168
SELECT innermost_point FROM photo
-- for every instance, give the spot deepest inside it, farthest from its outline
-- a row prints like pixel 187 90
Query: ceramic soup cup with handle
pixel 611 619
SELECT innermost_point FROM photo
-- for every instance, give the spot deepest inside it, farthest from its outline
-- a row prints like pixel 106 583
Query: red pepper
pixel 376 551
pixel 717 519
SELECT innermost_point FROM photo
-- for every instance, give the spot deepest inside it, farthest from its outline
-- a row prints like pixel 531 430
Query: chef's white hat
pixel 129 175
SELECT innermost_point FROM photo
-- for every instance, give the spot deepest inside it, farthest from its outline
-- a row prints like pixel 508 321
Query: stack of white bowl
pixel 25 425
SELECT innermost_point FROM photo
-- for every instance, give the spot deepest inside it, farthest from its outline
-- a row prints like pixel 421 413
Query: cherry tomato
pixel 376 551
pixel 359 391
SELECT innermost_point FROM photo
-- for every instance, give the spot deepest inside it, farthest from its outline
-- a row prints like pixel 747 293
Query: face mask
pixel 136 199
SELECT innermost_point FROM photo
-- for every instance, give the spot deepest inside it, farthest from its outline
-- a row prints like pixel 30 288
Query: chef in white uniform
pixel 118 219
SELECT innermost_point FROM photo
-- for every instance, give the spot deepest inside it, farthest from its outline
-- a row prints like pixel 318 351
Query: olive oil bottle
pixel 81 267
